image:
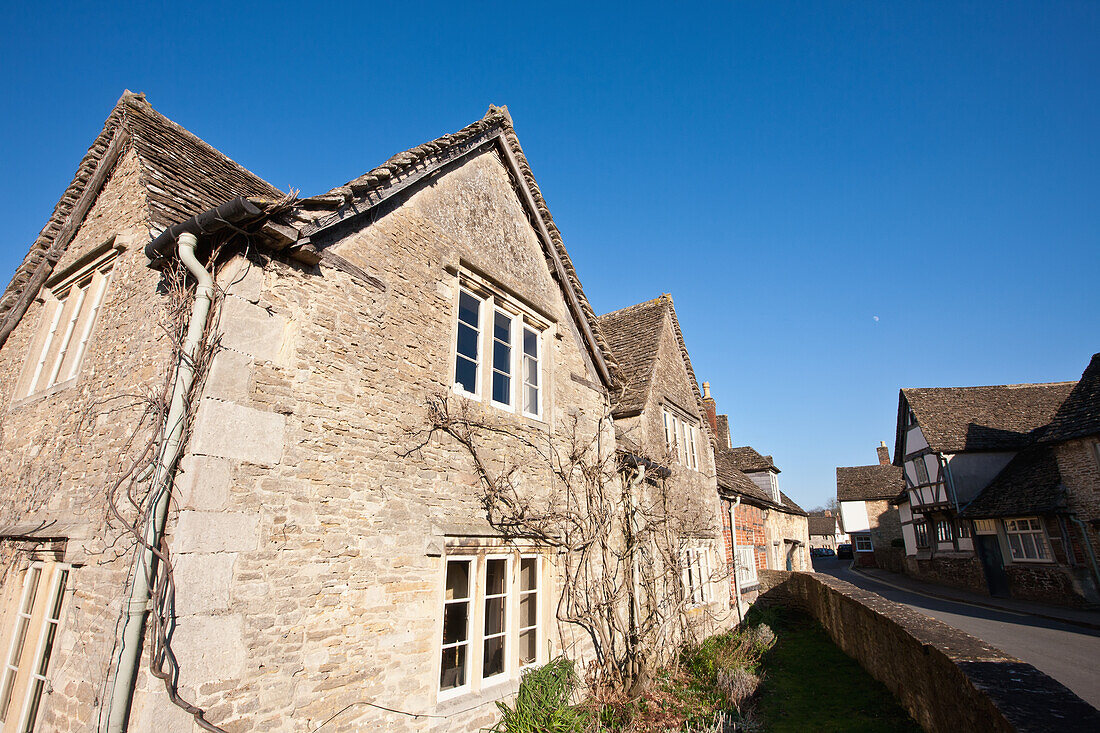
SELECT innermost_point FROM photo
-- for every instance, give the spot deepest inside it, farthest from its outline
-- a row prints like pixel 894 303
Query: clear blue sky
pixel 843 198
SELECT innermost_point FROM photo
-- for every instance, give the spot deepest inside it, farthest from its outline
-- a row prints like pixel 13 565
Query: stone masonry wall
pixel 312 553
pixel 947 680
pixel 780 526
pixel 1079 465
pixel 59 447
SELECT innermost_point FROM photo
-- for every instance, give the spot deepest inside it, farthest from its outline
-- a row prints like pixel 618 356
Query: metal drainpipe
pixel 144 560
pixel 1088 548
pixel 733 541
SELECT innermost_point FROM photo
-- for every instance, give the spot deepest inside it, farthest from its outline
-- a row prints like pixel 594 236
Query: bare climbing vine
pixel 620 523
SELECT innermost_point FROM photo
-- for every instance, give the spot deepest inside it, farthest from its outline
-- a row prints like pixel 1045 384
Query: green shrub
pixel 543 702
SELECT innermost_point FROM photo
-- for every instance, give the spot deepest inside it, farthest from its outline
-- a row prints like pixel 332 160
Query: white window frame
pixel 491 304
pixel 471 616
pixel 71 309
pixel 870 545
pixel 509 601
pixel 475 680
pixel 695 584
pixel 538 626
pixel 1033 529
pixel 680 438
pixel 482 308
pixel 746 566
pixel 36 623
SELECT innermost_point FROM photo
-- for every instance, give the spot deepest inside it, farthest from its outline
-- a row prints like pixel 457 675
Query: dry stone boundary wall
pixel 947 680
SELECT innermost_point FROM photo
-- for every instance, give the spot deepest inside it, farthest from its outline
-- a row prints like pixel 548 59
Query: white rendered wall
pixel 854 516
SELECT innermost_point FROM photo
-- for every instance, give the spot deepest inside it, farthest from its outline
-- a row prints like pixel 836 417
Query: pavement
pixel 1061 642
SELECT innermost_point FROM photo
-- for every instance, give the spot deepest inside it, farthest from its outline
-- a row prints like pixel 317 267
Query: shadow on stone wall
pixel 948 681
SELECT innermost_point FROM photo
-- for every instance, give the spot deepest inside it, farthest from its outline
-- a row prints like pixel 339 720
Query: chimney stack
pixel 883 454
pixel 724 432
pixel 711 408
pixel 828 512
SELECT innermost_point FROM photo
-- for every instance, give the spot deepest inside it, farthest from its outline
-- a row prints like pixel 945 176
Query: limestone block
pixel 250 329
pixel 202 482
pixel 229 376
pixel 242 279
pixel 205 532
pixel 203 581
pixel 228 430
pixel 209 648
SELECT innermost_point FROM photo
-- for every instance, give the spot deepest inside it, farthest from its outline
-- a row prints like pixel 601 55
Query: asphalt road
pixel 1068 653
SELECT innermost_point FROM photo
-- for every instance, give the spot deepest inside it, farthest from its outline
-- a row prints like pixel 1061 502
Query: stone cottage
pixel 331 556
pixel 658 413
pixel 1001 485
pixel 864 495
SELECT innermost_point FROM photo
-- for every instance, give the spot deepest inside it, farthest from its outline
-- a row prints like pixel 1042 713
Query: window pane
pixel 528 647
pixel 1015 546
pixel 528 610
pixel 527 579
pixel 1029 546
pixel 502 387
pixel 466 374
pixel 468 309
pixel 502 357
pixel 531 370
pixel 494 616
pixel 455 617
pixel 494 656
pixel 530 343
pixel 531 399
pixel 458 579
pixel 452 672
pixel 494 576
pixel 35 701
pixel 467 341
pixel 502 327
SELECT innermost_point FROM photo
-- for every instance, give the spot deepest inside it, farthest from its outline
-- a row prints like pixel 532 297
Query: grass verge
pixel 810 685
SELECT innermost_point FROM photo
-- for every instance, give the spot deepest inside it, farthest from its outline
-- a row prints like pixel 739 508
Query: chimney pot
pixel 706 390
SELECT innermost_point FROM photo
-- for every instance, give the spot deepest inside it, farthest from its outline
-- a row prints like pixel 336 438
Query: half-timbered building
pixel 987 503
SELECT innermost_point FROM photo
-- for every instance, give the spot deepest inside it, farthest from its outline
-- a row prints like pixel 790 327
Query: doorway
pixel 989 552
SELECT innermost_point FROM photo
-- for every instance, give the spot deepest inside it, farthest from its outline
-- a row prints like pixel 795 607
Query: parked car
pixel 822 552
pixel 844 551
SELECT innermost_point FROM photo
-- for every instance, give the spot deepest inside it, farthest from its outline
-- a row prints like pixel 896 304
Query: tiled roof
pixel 182 176
pixel 1004 417
pixel 732 479
pixel 868 483
pixel 748 460
pixel 1079 415
pixel 790 506
pixel 822 525
pixel 1029 484
pixel 632 333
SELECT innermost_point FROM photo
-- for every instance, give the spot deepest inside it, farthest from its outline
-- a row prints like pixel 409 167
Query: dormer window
pixel 498 351
pixel 681 437
pixel 72 302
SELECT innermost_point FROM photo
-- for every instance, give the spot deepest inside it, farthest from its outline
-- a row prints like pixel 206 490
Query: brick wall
pixel 947 680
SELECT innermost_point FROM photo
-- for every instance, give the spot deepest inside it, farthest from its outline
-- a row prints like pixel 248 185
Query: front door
pixel 989 551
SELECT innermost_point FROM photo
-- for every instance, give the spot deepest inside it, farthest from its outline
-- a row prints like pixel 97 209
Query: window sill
pixel 467 699
pixel 43 394
pixel 1031 561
